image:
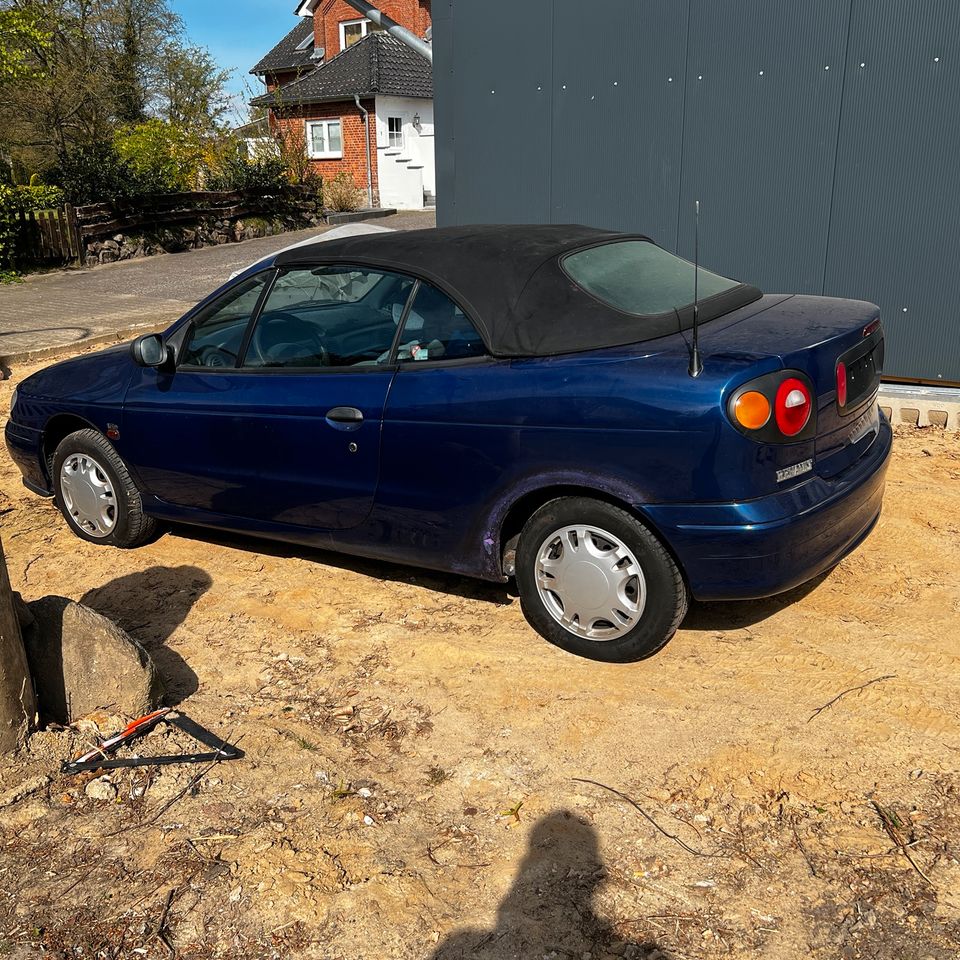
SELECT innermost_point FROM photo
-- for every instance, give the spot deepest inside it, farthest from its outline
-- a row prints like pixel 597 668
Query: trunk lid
pixel 813 334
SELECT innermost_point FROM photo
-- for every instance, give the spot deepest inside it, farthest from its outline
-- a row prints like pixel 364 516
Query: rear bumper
pixel 740 551
pixel 25 446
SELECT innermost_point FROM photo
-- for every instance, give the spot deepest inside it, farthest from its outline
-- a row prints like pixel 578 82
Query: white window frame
pixel 328 154
pixel 365 26
pixel 390 134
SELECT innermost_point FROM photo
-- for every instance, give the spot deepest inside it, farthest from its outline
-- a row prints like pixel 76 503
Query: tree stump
pixel 17 703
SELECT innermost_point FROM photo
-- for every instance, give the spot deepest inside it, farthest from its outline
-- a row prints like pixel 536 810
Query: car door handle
pixel 345 415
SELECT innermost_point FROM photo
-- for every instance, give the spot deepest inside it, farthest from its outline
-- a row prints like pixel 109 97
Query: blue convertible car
pixel 496 402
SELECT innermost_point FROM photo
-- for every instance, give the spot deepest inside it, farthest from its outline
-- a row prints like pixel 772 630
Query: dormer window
pixel 352 31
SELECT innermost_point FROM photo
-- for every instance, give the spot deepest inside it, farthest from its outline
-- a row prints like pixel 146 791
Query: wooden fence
pixel 62 234
pixel 49 235
pixel 168 209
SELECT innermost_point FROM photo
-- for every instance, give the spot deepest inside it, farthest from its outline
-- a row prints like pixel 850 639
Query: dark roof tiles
pixel 286 55
pixel 378 64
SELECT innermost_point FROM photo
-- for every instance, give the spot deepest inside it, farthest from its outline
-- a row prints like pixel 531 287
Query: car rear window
pixel 638 277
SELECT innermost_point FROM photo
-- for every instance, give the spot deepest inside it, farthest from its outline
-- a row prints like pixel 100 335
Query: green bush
pixel 164 157
pixel 41 197
pixel 151 157
pixel 96 174
pixel 235 172
pixel 9 208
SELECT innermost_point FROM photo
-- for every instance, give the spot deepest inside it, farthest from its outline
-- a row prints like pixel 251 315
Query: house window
pixel 353 30
pixel 324 141
pixel 395 128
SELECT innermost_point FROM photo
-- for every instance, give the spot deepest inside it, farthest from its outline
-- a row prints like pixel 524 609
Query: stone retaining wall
pixel 173 239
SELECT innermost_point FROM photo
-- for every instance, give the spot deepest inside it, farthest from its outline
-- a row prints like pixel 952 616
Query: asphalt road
pixel 63 307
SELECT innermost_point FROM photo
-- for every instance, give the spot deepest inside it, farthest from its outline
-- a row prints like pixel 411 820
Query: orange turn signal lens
pixel 752 410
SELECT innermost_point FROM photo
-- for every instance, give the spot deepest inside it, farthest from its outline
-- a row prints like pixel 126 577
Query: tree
pixel 190 89
pixel 22 36
pixel 17 702
pixel 85 68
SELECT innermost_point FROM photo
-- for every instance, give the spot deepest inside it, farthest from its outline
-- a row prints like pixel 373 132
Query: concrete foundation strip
pixel 921 406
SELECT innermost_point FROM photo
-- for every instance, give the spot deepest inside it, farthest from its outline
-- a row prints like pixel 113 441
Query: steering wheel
pixel 258 348
pixel 211 356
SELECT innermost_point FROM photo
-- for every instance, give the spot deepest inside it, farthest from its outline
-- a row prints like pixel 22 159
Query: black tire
pixel 131 526
pixel 666 593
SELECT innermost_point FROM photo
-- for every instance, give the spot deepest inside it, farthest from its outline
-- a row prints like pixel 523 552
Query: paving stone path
pixel 63 307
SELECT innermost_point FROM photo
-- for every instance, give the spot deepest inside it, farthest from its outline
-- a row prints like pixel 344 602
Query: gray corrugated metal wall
pixel 821 136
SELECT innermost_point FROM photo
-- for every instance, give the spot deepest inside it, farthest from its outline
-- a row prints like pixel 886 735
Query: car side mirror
pixel 150 350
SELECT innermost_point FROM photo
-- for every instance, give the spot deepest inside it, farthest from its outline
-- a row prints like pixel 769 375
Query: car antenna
pixel 696 366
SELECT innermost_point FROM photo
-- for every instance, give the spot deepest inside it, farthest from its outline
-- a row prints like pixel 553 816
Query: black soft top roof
pixel 510 281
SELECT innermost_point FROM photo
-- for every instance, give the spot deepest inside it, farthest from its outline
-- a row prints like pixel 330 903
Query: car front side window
pixel 327 317
pixel 216 333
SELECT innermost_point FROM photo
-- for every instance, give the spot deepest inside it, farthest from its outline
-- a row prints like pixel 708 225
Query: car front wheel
pixel 596 582
pixel 95 493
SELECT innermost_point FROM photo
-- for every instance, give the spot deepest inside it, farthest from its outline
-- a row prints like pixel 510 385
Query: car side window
pixel 216 333
pixel 437 329
pixel 329 316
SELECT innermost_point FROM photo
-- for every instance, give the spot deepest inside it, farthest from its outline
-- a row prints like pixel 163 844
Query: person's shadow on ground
pixel 549 909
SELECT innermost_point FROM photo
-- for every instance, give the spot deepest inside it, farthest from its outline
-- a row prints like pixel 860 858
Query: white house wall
pixel 405 174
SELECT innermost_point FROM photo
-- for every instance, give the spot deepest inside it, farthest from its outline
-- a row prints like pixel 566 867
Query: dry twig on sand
pixel 803 849
pixel 843 693
pixel 890 825
pixel 633 803
pixel 160 931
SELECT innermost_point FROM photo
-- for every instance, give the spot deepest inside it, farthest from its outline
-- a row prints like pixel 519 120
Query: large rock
pixel 82 662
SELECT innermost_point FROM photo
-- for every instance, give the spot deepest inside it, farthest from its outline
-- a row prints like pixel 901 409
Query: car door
pixel 446 431
pixel 280 425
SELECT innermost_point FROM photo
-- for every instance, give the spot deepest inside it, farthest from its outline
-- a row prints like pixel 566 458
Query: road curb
pixel 118 336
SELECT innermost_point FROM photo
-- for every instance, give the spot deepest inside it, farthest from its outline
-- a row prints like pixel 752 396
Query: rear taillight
pixel 841 384
pixel 774 408
pixel 752 410
pixel 793 406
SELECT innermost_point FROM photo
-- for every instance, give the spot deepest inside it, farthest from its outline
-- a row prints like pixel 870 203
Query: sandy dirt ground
pixel 424 777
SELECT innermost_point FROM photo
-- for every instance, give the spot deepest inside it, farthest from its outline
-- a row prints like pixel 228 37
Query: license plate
pixel 867 424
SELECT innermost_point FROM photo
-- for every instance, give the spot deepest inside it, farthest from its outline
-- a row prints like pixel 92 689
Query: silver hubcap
pixel 88 495
pixel 590 582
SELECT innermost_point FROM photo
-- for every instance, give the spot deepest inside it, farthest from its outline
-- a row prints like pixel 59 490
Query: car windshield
pixel 638 277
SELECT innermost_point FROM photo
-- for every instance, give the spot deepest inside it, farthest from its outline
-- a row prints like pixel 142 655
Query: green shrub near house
pixel 165 157
pixel 232 171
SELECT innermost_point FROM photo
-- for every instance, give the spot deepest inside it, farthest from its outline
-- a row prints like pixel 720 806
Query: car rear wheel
pixel 596 582
pixel 94 492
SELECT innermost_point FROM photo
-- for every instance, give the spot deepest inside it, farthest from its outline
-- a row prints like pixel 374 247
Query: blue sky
pixel 237 33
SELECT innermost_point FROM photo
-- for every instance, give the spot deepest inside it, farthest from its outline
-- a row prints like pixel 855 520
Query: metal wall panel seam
pixel 836 150
pixel 683 126
pixel 553 93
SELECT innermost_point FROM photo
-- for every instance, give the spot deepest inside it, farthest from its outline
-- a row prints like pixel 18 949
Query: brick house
pixel 336 82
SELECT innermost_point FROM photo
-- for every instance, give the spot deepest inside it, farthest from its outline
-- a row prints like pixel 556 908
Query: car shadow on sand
pixel 717 615
pixel 150 605
pixel 740 614
pixel 449 583
pixel 549 909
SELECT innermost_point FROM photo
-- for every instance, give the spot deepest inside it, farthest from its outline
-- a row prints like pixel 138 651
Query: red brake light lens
pixel 841 384
pixel 793 406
